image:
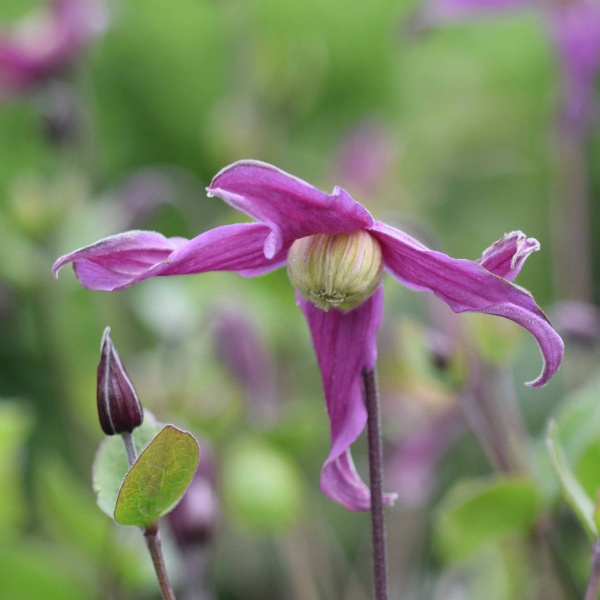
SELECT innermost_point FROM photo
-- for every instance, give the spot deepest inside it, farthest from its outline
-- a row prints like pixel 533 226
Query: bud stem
pixel 155 548
pixel 151 532
pixel 130 447
pixel 376 482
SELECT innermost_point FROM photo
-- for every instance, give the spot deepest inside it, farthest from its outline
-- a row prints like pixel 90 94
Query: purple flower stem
pixel 594 581
pixel 151 533
pixel 376 482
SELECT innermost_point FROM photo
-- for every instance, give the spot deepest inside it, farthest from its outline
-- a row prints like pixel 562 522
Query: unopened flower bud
pixel 336 271
pixel 119 409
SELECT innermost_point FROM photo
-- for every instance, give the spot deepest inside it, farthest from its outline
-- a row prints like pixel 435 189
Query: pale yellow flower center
pixel 336 271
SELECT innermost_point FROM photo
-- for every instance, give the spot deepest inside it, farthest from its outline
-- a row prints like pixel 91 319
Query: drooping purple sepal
pixel 345 345
pixel 468 286
pixel 125 259
pixel 118 261
pixel 291 207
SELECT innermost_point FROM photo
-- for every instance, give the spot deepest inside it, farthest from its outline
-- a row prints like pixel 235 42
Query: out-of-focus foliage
pixel 461 121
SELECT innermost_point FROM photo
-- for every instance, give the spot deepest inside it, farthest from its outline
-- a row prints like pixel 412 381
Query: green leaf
pixel 572 490
pixel 111 464
pixel 158 479
pixel 477 513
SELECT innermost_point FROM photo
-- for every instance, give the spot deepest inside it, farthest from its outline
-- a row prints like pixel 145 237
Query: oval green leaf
pixel 481 512
pixel 158 479
pixel 572 489
pixel 111 464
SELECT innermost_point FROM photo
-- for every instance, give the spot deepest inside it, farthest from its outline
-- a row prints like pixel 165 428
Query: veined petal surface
pixel 345 345
pixel 467 286
pixel 291 207
pixel 123 260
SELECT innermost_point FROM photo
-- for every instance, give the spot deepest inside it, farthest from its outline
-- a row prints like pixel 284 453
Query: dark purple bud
pixel 194 520
pixel 119 408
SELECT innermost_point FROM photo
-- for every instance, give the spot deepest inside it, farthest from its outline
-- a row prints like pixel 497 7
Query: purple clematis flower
pixel 574 30
pixel 44 44
pixel 335 252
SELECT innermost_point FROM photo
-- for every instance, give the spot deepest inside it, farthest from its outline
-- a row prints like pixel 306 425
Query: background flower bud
pixel 194 520
pixel 119 408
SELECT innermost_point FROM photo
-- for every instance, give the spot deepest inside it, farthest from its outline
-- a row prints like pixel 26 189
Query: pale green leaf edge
pixel 572 490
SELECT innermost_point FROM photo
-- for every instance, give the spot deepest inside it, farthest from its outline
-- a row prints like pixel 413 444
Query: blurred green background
pixel 452 132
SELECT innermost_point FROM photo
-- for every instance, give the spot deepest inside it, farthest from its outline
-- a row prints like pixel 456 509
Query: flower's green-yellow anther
pixel 336 271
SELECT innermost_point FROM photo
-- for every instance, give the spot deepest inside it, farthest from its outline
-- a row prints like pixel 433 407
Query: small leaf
pixel 158 479
pixel 572 490
pixel 111 464
pixel 477 513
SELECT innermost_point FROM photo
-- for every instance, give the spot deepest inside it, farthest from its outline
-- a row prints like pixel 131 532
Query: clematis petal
pixel 290 207
pixel 506 257
pixel 123 260
pixel 345 345
pixel 117 261
pixel 467 286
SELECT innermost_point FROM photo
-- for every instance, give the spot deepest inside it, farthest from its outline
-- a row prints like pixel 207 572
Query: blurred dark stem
pixel 376 482
pixel 556 582
pixel 492 411
pixel 594 581
pixel 572 252
pixel 151 533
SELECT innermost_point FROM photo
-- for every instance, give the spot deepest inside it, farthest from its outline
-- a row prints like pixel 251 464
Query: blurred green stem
pixel 492 411
pixel 376 481
pixel 572 250
pixel 594 581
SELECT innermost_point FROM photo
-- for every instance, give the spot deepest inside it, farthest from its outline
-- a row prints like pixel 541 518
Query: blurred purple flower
pixel 194 520
pixel 45 44
pixel 364 157
pixel 412 464
pixel 239 348
pixel 578 321
pixel 574 30
pixel 288 210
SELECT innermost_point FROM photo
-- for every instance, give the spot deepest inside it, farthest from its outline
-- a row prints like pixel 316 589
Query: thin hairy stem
pixel 376 482
pixel 151 533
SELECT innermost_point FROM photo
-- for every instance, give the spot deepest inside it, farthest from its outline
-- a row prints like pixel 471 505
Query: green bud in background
pixel 262 489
